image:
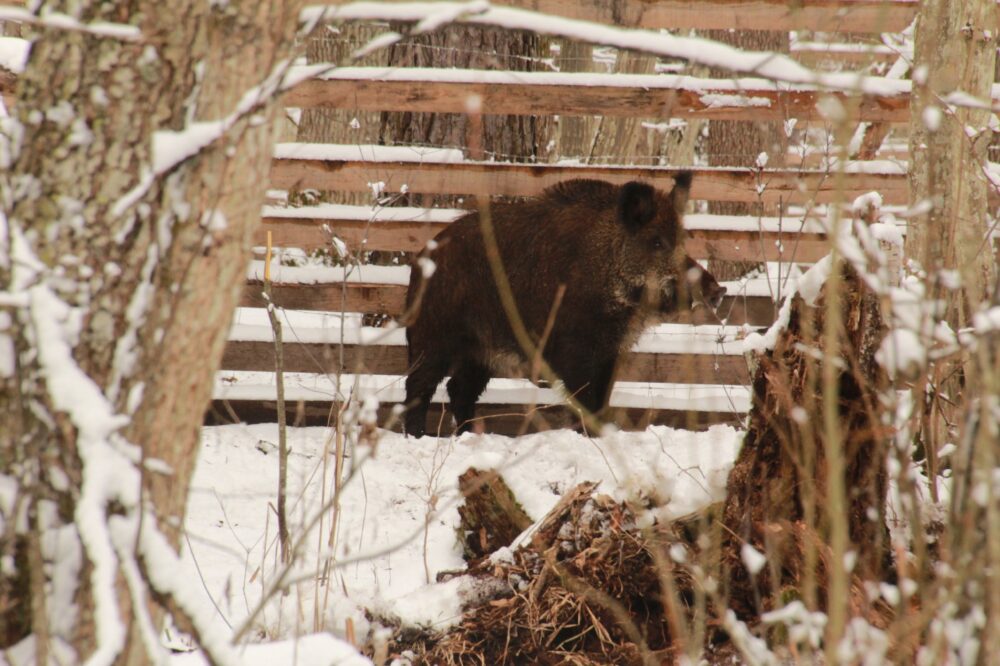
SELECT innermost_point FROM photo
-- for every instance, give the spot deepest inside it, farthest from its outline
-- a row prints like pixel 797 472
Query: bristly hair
pixel 596 193
pixel 683 179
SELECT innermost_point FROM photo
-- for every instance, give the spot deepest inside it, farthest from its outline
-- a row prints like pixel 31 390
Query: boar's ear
pixel 636 204
pixel 682 190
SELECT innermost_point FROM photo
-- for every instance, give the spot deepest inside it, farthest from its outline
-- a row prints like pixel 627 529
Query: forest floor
pixel 397 524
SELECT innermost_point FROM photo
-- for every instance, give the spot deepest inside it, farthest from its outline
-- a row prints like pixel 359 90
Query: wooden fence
pixel 692 373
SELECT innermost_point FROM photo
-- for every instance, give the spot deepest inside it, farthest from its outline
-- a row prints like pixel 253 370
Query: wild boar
pixel 618 249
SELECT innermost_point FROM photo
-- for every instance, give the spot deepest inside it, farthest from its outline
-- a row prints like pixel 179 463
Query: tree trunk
pixel 124 284
pixel 504 138
pixel 948 153
pixel 616 140
pixel 345 126
pixel 738 143
pixel 946 165
pixel 576 133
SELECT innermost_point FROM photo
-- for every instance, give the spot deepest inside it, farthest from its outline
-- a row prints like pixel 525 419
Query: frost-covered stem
pixel 673 609
pixel 279 382
pixel 810 499
pixel 836 506
pixel 987 462
pixel 39 612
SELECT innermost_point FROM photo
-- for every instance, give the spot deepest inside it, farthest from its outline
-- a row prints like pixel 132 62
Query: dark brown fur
pixel 617 249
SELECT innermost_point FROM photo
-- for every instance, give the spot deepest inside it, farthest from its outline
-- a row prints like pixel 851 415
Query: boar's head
pixel 653 262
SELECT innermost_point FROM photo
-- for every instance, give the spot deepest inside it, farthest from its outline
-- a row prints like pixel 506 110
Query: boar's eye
pixel 657 243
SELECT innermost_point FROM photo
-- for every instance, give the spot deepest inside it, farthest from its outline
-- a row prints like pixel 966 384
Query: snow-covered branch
pixel 61 21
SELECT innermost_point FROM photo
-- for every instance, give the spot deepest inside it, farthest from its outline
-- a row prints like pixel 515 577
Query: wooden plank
pixel 781 186
pixel 389 299
pixel 872 140
pixel 499 419
pixel 8 81
pixel 722 245
pixel 392 360
pixel 819 53
pixel 701 98
pixel 864 16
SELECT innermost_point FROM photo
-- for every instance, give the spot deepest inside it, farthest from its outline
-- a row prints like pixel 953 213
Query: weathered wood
pixel 8 81
pixel 865 16
pixel 815 483
pixel 818 54
pixel 499 419
pixel 872 140
pixel 351 297
pixel 723 245
pixel 389 299
pixel 490 517
pixel 392 360
pixel 689 98
pixel 781 186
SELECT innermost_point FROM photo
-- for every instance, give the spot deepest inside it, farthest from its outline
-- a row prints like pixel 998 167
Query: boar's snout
pixel 713 298
pixel 702 286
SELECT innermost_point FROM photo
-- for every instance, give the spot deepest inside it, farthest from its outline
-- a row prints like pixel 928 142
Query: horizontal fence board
pixel 649 96
pixel 508 420
pixel 820 53
pixel 358 234
pixel 8 82
pixel 390 299
pixel 864 16
pixel 780 186
pixel 392 360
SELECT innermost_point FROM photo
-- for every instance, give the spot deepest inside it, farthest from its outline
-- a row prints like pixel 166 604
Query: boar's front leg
pixel 588 380
pixel 464 388
pixel 420 386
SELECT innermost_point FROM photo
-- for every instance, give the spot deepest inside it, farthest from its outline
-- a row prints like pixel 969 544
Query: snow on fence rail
pixel 713 355
pixel 717 237
pixel 355 168
pixel 505 404
pixel 382 290
pixel 621 95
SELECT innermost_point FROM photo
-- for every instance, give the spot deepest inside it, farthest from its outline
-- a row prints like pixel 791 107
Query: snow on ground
pixel 399 514
pixel 13 53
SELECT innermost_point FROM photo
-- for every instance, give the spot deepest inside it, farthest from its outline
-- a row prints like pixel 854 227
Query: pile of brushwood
pixel 584 589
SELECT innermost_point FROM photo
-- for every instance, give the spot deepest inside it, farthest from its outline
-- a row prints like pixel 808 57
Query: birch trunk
pixel 955 51
pixel 135 279
pixel 946 164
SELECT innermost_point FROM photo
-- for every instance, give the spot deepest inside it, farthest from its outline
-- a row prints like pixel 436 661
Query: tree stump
pixel 491 517
pixel 777 496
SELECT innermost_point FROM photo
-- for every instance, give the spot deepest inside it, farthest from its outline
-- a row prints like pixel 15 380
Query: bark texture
pixel 149 268
pixel 949 147
pixel 776 495
pixel 946 164
pixel 618 140
pixel 739 143
pixel 505 138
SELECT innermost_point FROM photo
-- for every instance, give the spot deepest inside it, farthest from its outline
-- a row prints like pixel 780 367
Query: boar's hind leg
pixel 420 386
pixel 464 388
